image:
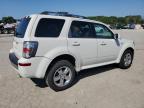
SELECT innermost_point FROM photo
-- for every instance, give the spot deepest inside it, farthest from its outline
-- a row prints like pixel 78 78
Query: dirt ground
pixel 103 87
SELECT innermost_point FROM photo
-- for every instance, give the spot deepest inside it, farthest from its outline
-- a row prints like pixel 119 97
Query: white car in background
pixel 57 45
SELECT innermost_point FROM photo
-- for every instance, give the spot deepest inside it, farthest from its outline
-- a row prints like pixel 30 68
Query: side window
pixel 49 27
pixel 103 32
pixel 81 29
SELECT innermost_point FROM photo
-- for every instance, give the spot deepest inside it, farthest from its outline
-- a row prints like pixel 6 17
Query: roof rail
pixel 62 14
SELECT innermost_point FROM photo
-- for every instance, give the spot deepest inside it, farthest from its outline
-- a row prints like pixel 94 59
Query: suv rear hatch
pixel 19 35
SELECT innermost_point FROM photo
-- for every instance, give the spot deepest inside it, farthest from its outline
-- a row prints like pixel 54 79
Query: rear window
pixel 21 28
pixel 49 27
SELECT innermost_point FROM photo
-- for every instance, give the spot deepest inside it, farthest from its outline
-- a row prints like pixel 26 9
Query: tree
pixel 112 20
pixel 8 19
pixel 134 19
pixel 142 21
pixel 122 21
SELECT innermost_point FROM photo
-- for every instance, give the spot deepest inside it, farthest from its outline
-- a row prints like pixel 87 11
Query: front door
pixel 108 47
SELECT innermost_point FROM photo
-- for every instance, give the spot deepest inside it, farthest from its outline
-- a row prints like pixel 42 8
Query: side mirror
pixel 116 36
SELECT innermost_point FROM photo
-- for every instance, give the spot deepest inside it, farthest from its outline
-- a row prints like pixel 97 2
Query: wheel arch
pixel 68 57
pixel 131 49
pixel 122 52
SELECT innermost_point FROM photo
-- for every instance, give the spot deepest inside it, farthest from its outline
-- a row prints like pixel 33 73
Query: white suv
pixel 55 46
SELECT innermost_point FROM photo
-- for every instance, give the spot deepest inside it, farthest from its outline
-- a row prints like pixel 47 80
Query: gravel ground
pixel 103 87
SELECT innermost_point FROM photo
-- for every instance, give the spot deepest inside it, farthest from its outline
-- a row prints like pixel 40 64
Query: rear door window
pixel 21 28
pixel 49 27
pixel 80 29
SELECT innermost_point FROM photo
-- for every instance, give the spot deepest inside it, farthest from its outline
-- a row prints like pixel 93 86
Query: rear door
pixel 82 42
pixel 19 36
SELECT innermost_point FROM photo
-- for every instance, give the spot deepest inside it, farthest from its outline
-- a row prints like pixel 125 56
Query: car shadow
pixel 39 82
pixel 82 74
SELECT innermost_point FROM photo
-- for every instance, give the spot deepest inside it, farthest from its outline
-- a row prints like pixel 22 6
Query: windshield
pixel 21 28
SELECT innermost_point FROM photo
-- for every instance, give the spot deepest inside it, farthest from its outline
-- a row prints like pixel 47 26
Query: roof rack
pixel 62 14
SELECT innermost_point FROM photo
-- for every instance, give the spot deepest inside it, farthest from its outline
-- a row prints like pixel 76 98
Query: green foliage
pixel 112 20
pixel 8 19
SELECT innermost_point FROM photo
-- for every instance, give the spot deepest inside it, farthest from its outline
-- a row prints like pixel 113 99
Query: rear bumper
pixel 37 69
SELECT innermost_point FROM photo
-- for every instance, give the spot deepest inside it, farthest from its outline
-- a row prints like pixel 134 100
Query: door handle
pixel 76 44
pixel 103 43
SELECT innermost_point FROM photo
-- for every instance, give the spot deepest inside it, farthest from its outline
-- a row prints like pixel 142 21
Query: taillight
pixel 29 49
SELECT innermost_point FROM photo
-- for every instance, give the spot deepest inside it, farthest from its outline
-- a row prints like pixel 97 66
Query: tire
pixel 0 32
pixel 126 59
pixel 5 31
pixel 61 75
pixel 11 31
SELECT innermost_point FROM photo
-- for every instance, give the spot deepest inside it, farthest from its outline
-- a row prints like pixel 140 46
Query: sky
pixel 20 8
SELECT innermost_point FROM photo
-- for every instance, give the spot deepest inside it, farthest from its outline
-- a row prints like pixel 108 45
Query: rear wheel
pixel 60 76
pixel 126 59
pixel 5 31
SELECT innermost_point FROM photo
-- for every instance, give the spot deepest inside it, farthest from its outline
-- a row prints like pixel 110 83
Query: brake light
pixel 26 50
pixel 29 49
pixel 25 64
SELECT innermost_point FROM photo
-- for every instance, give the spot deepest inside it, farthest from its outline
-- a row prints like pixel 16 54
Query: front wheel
pixel 60 76
pixel 126 59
